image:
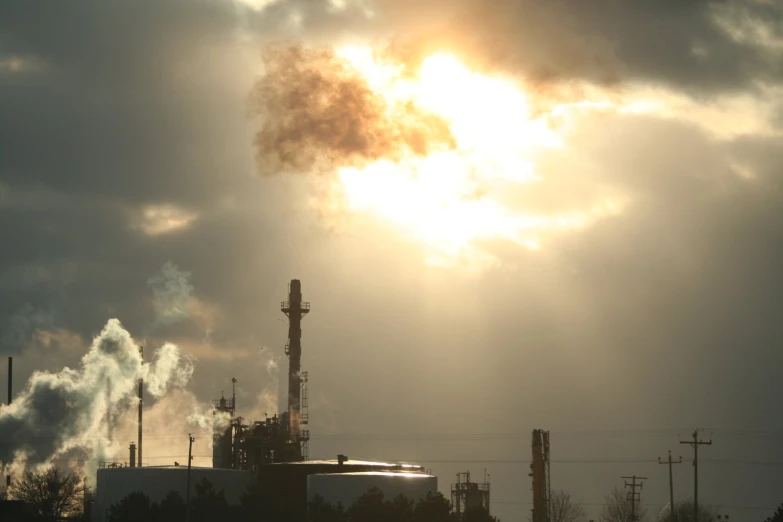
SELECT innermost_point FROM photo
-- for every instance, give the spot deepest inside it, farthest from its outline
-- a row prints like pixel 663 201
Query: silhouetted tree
pixel 683 512
pixel 434 508
pixel 319 510
pixel 370 507
pixel 135 507
pixel 51 492
pixel 563 509
pixel 401 509
pixel 170 509
pixel 477 514
pixel 777 517
pixel 255 500
pixel 209 505
pixel 617 508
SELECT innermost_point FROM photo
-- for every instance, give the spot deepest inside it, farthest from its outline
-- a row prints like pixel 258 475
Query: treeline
pixel 209 505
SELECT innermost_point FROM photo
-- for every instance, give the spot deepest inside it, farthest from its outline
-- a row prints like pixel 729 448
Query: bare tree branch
pixel 52 492
pixel 563 509
pixel 617 508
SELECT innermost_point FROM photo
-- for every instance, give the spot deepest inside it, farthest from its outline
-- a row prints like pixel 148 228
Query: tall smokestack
pixel 141 385
pixel 132 454
pixel 10 397
pixel 295 309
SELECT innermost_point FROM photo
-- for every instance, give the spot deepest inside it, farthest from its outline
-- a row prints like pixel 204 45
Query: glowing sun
pixel 452 198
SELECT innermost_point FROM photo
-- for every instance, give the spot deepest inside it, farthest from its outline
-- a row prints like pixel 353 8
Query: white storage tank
pixel 345 488
pixel 114 484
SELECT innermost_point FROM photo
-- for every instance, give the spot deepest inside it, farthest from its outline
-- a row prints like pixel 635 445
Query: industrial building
pixel 271 454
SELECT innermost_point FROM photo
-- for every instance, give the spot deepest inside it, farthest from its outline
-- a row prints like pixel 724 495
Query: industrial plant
pixel 269 458
pixel 273 454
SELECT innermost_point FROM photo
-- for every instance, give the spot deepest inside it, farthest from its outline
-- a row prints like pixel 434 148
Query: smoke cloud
pixel 172 293
pixel 267 402
pixel 75 408
pixel 318 113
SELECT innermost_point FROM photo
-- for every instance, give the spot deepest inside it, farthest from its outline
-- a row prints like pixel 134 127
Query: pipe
pixel 141 384
pixel 132 454
pixel 10 397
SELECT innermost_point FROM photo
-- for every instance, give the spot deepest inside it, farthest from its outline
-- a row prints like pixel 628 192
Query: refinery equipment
pixel 541 476
pixel 277 438
pixel 466 494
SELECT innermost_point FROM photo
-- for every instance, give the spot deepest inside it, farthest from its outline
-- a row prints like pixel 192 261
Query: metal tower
pixel 466 494
pixel 295 310
pixel 223 452
pixel 540 473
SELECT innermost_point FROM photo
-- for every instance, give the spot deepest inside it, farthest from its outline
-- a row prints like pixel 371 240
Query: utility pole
pixel 671 482
pixel 190 461
pixel 633 496
pixel 696 443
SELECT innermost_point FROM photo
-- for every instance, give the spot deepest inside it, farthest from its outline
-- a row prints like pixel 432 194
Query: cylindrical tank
pixel 114 484
pixel 345 488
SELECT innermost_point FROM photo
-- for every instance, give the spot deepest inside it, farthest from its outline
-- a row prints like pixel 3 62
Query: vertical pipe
pixel 671 487
pixel 10 397
pixel 132 455
pixel 190 461
pixel 295 355
pixel 141 384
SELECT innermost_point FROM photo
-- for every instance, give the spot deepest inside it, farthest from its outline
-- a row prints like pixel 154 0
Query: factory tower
pixel 295 309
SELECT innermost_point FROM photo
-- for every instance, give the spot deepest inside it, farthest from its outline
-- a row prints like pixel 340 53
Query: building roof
pixel 403 474
pixel 351 462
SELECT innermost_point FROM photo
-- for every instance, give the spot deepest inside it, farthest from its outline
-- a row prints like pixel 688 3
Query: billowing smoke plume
pixel 318 112
pixel 172 294
pixel 58 412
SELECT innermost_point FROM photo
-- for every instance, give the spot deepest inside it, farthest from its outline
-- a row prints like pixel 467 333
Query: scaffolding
pixel 466 495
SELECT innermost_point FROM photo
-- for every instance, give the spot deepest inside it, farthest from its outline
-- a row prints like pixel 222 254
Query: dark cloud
pixel 663 316
pixel 666 42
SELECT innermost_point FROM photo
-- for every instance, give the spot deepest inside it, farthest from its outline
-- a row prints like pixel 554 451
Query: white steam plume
pixel 58 412
pixel 172 293
pixel 267 402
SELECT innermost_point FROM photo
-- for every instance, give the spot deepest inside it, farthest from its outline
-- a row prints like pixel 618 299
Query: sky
pixel 506 216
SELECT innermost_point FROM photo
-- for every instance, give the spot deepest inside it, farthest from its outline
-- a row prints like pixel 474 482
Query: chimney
pixel 10 397
pixel 132 454
pixel 141 398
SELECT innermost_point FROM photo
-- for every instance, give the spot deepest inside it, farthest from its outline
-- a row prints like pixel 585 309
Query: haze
pixel 506 215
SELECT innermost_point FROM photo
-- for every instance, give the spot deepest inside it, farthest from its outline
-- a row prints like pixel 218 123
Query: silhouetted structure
pixel 466 495
pixel 277 438
pixel 541 476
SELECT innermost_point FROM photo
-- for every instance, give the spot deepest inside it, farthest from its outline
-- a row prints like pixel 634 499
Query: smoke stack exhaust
pixel 132 454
